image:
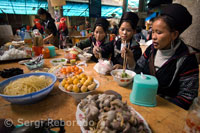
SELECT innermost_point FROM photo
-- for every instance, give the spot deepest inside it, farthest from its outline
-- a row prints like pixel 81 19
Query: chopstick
pixel 125 59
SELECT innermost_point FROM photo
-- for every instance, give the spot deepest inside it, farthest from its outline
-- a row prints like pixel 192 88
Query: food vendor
pixel 49 27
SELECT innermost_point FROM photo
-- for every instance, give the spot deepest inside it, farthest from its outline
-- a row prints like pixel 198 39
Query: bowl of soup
pixel 123 78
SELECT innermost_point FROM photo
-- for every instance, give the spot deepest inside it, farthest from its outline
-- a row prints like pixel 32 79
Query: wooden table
pixel 164 118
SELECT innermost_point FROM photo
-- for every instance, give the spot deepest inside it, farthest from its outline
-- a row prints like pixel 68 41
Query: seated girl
pixel 98 40
pixel 126 43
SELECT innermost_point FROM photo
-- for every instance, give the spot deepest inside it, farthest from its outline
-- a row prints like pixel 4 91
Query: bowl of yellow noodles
pixel 27 88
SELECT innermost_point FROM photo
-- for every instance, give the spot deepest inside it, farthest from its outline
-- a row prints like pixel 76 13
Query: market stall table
pixel 164 118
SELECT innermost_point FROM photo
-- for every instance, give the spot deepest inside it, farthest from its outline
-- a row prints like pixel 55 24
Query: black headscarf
pixel 182 18
pixel 103 23
pixel 129 17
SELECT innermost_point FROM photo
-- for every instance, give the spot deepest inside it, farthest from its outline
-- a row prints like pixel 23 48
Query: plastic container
pixel 27 39
pixel 192 122
pixel 37 50
pixel 22 34
pixel 52 51
pixel 32 66
pixel 144 90
pixel 83 33
pixel 46 52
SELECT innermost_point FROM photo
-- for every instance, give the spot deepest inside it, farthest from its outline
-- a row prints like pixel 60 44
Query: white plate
pixel 24 61
pixel 80 95
pixel 58 63
pixel 63 89
pixel 61 76
pixel 80 117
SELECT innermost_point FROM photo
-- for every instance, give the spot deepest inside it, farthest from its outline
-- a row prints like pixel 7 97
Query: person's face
pixel 99 33
pixel 161 35
pixel 42 16
pixel 126 32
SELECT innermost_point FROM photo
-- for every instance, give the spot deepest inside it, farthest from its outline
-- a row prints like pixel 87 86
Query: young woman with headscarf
pixel 98 40
pixel 118 48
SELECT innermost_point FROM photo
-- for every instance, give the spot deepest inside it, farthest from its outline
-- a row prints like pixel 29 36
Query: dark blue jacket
pixel 178 77
pixel 88 43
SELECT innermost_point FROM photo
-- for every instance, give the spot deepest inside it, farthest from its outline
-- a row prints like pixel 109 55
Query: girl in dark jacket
pixel 98 40
pixel 169 59
pixel 126 44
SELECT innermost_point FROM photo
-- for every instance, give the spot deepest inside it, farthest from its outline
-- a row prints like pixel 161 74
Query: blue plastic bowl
pixel 31 97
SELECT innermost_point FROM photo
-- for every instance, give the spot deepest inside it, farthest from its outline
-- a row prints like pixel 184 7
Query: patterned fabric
pixel 178 77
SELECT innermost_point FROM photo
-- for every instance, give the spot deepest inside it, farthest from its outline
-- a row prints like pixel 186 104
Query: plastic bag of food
pixel 103 67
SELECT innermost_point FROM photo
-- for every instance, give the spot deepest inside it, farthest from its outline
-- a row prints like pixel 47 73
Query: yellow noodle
pixel 27 85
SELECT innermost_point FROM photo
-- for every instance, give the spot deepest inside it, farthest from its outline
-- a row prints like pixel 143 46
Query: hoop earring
pixel 172 44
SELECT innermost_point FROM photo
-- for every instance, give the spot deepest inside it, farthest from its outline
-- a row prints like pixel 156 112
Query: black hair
pixel 103 23
pixel 138 29
pixel 132 25
pixel 168 20
pixel 170 23
pixel 152 19
pixel 42 11
pixel 181 17
pixel 131 18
